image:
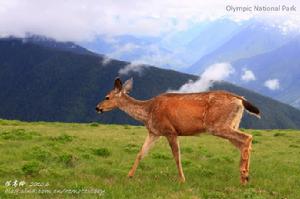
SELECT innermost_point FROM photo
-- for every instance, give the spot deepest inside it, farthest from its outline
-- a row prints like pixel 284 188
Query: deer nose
pixel 99 109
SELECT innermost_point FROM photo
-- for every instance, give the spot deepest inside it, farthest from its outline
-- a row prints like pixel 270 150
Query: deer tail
pixel 251 108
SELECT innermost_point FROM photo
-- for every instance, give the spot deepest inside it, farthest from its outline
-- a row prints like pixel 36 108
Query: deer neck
pixel 135 108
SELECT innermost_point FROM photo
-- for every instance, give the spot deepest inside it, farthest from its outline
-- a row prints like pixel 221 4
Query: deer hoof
pixel 244 180
pixel 182 179
pixel 130 175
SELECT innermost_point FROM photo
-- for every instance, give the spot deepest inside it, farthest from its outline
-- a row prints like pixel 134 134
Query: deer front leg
pixel 146 146
pixel 174 144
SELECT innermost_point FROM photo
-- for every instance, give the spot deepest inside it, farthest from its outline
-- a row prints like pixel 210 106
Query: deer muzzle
pixel 99 110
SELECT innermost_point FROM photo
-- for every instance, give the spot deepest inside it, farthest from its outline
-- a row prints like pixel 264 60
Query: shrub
pixel 131 148
pixel 278 134
pixel 64 138
pixel 186 150
pixel 39 154
pixel 256 133
pixel 254 141
pixel 214 194
pixel 126 127
pixel 18 134
pixel 103 152
pixel 31 168
pixel 94 124
pixel 160 156
pixel 206 172
pixel 69 160
pixel 228 159
pixel 251 193
pixel 186 162
pixel 294 146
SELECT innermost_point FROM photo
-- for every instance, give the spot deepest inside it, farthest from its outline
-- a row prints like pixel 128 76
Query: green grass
pixel 75 157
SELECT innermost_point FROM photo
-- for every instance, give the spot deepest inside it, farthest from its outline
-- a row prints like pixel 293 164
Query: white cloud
pixel 78 20
pixel 132 67
pixel 105 60
pixel 215 72
pixel 156 56
pixel 150 54
pixel 120 50
pixel 272 84
pixel 248 75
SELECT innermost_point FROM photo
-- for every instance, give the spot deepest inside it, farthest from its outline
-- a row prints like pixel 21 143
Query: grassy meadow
pixel 70 160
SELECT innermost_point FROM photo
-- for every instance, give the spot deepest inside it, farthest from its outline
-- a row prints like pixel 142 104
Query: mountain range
pixel 51 83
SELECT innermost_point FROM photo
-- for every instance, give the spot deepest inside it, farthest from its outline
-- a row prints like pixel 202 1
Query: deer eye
pixel 107 98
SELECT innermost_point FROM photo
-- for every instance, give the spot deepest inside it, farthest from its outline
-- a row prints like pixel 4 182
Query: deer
pixel 185 114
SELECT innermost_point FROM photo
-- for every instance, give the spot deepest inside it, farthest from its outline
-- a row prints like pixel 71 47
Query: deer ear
pixel 118 84
pixel 128 85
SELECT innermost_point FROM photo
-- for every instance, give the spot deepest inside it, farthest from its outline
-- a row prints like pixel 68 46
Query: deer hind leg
pixel 150 140
pixel 243 142
pixel 174 144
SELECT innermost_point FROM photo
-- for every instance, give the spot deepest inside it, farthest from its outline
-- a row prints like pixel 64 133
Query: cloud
pixel 248 75
pixel 272 84
pixel 132 67
pixel 105 60
pixel 120 50
pixel 156 56
pixel 215 72
pixel 83 20
pixel 145 53
pixel 78 20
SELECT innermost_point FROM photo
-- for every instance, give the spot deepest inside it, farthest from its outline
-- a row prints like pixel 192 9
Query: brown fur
pixel 172 115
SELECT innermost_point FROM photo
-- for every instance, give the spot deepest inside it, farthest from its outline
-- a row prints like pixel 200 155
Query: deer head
pixel 113 97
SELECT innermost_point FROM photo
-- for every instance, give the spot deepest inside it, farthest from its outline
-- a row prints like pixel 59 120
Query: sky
pixel 78 20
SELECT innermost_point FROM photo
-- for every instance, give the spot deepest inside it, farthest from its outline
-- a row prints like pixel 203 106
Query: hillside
pixel 45 84
pixel 98 157
pixel 51 43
